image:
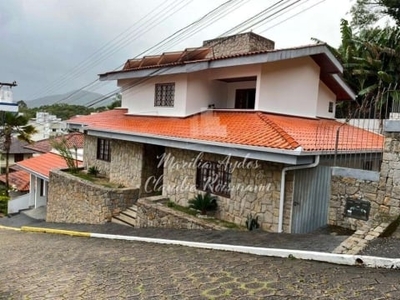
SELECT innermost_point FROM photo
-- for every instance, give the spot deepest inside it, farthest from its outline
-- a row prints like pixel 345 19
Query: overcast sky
pixel 56 46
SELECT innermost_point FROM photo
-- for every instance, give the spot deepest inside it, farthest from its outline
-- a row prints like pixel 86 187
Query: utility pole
pixel 6 103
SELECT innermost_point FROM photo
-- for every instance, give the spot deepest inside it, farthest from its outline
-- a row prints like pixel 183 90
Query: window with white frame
pixel 164 94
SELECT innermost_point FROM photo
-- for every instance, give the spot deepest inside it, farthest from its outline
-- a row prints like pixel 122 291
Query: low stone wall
pixel 74 200
pixel 152 213
pixel 356 185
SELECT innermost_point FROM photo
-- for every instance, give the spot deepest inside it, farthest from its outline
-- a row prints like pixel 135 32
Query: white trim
pixel 344 86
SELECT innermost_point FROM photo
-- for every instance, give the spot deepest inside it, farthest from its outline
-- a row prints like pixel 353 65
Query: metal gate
pixel 310 199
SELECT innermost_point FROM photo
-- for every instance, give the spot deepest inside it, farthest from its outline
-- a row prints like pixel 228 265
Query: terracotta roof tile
pixel 18 179
pixel 43 164
pixel 250 128
pixel 43 146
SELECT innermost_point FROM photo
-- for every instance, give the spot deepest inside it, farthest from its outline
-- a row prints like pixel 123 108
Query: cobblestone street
pixel 45 266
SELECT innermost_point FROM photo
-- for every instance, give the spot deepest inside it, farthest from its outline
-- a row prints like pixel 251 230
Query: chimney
pixel 238 44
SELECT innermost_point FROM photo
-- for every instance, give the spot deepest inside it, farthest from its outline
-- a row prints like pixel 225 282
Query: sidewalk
pixel 320 242
pixel 257 238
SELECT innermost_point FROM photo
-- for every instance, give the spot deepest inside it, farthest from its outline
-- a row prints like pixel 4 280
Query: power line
pixel 147 25
pixel 193 24
pixel 276 5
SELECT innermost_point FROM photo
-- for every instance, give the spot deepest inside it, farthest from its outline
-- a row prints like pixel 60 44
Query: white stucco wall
pixel 325 95
pixel 289 87
pixel 139 97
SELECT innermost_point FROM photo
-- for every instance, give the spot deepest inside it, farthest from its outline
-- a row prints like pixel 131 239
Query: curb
pixel 9 228
pixel 55 231
pixel 341 259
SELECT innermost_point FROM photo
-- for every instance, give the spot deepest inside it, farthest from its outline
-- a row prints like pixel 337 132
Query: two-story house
pixel 236 117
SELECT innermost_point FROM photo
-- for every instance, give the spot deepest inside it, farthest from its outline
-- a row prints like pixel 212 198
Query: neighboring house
pixel 252 124
pixel 73 140
pixel 47 125
pixel 33 173
pixel 18 152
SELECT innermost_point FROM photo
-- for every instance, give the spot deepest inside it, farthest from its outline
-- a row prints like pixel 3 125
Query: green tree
pixel 14 124
pixel 366 13
pixel 70 157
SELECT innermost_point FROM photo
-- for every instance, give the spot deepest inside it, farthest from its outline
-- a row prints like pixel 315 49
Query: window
pixel 330 108
pixel 245 98
pixel 18 157
pixel 41 188
pixel 164 95
pixel 214 177
pixel 103 149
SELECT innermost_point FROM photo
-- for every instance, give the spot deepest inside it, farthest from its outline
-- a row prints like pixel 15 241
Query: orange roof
pixel 43 164
pixel 251 128
pixel 18 179
pixel 74 139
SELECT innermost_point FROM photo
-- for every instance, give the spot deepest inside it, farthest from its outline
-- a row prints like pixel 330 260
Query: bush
pixel 4 204
pixel 204 203
pixel 94 171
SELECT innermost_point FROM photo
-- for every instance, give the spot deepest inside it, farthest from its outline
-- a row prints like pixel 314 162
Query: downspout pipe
pixel 282 193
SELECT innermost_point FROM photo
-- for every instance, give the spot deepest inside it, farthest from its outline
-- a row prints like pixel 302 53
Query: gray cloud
pixel 42 40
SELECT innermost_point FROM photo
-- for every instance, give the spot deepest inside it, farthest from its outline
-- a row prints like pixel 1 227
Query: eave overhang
pixel 320 53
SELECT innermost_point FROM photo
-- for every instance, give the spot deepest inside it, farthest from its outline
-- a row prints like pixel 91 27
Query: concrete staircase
pixel 126 217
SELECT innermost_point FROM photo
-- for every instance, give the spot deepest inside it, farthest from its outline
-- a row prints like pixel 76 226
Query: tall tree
pixel 371 60
pixel 14 125
pixel 369 12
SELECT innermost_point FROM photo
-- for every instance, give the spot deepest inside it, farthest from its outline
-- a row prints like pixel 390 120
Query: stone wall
pixel 345 187
pixel 126 162
pixel 74 200
pixel 151 213
pixel 256 190
pixel 90 156
pixel 240 43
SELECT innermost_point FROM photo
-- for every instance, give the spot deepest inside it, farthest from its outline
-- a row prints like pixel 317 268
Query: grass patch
pixel 181 208
pixel 98 180
pixel 194 213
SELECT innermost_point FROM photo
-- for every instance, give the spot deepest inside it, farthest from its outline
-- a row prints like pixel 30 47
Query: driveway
pixel 45 266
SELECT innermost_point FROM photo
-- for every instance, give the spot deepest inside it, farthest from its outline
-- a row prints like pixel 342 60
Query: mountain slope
pixel 84 98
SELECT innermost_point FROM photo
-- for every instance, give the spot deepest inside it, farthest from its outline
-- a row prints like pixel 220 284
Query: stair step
pixel 132 208
pixel 117 221
pixel 129 213
pixel 127 219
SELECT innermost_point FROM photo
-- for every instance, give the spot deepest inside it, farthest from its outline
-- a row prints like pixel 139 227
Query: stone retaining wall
pixel 74 200
pixel 152 213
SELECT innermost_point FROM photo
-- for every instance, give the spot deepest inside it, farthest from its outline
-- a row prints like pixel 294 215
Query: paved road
pixel 45 266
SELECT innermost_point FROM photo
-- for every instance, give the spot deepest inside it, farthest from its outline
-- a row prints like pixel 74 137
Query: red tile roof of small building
pixel 249 128
pixel 43 164
pixel 18 179
pixel 74 139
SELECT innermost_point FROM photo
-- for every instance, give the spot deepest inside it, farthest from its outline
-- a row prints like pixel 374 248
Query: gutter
pixel 282 193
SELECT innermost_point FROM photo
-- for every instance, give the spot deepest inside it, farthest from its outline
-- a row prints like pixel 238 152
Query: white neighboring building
pixel 47 126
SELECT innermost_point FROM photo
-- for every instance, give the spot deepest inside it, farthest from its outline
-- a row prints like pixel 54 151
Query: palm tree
pixel 14 124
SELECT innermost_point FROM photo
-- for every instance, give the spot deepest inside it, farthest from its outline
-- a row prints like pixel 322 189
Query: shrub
pixel 94 171
pixel 252 222
pixel 204 203
pixel 4 204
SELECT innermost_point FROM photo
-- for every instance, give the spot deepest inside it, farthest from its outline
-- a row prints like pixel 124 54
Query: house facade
pixel 235 117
